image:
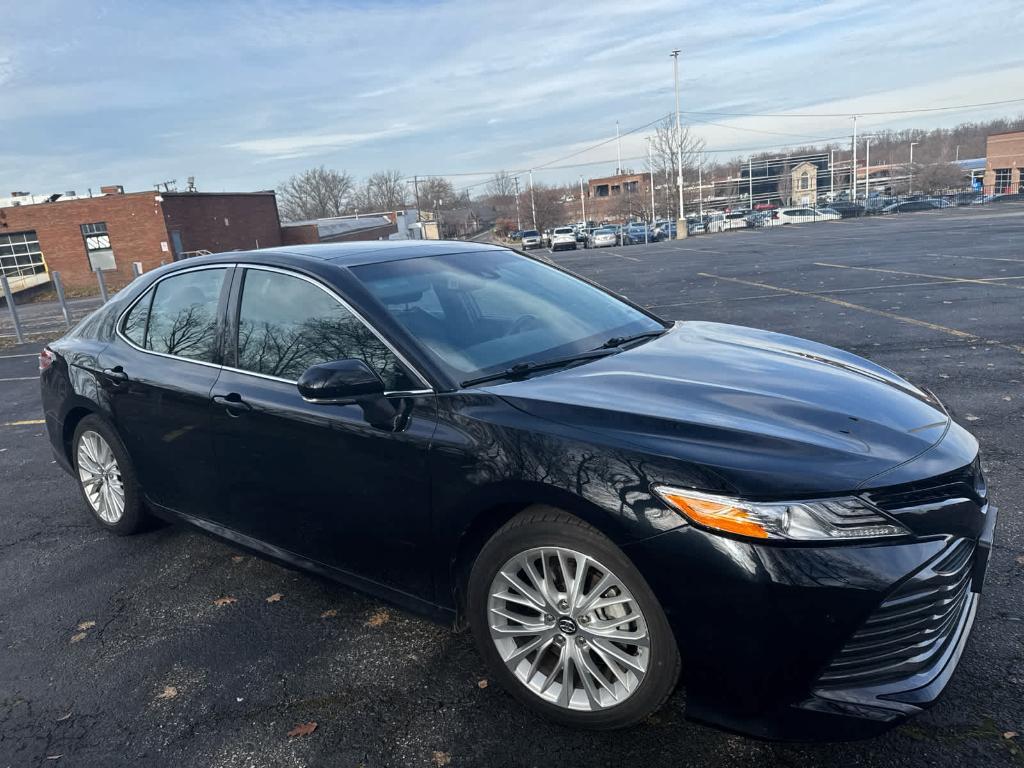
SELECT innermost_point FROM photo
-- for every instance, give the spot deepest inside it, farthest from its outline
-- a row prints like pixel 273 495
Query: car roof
pixel 352 254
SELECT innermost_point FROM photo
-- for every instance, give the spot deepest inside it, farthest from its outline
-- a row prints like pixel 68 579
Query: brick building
pixel 111 231
pixel 619 197
pixel 1004 162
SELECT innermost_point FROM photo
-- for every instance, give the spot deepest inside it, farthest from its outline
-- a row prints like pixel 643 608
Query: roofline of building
pixel 1005 133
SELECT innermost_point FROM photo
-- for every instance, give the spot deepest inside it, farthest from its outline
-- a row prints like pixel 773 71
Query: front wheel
pixel 568 625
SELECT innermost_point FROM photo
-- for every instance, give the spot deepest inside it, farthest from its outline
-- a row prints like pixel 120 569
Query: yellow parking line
pixel 879 312
pixel 24 423
pixel 946 278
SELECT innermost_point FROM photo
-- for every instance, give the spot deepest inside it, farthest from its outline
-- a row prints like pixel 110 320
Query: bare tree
pixel 502 186
pixel 665 144
pixel 437 192
pixel 383 191
pixel 936 177
pixel 549 204
pixel 314 194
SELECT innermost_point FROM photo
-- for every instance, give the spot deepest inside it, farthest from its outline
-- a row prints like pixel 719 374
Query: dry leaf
pixel 275 598
pixel 302 729
pixel 86 625
pixel 54 757
pixel 237 558
pixel 169 692
pixel 330 613
pixel 442 758
pixel 482 683
pixel 62 719
pixel 379 618
pixel 972 418
pixel 226 600
pixel 1020 559
pixel 79 637
pixel 1010 735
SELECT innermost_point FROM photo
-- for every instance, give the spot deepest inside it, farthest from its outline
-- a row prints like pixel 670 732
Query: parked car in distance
pixel 603 237
pixel 606 498
pixel 804 215
pixel 694 226
pixel 912 206
pixel 563 238
pixel 762 219
pixel 720 221
pixel 846 209
pixel 637 234
pixel 545 238
pixel 515 235
pixel 530 239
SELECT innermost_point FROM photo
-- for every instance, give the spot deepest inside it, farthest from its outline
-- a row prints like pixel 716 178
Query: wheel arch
pixel 484 518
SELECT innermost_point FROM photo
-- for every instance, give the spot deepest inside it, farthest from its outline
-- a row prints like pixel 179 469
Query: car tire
pixel 106 477
pixel 554 539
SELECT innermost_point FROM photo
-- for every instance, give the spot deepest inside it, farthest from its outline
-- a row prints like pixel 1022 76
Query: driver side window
pixel 287 324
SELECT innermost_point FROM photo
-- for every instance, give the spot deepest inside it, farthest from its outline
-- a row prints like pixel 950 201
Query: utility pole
pixel 831 174
pixel 618 150
pixel 867 169
pixel 416 189
pixel 681 222
pixel 650 167
pixel 583 202
pixel 519 221
pixel 853 169
pixel 750 180
pixel 958 153
pixel 700 185
pixel 533 203
pixel 910 169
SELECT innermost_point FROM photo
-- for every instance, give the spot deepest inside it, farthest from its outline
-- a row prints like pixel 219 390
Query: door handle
pixel 115 375
pixel 233 402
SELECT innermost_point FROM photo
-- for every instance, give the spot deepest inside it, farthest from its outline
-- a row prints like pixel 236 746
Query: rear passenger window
pixel 179 316
pixel 287 324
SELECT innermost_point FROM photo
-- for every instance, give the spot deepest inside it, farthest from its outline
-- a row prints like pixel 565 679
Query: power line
pixel 860 112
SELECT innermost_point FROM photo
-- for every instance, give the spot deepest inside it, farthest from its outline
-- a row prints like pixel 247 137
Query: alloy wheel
pixel 568 628
pixel 100 477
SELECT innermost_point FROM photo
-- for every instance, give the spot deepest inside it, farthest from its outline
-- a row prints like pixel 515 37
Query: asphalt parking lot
pixel 165 649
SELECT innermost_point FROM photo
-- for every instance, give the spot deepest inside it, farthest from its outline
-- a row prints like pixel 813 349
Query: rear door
pixel 157 376
pixel 342 484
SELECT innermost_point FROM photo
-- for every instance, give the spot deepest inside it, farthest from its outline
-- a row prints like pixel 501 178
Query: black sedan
pixel 612 503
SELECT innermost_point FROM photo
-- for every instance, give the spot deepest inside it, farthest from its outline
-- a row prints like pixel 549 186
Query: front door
pixel 343 484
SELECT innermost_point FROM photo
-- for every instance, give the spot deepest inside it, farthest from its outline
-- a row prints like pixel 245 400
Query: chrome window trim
pixel 348 307
pixel 123 316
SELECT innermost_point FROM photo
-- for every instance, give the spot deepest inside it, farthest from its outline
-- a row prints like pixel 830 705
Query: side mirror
pixel 339 380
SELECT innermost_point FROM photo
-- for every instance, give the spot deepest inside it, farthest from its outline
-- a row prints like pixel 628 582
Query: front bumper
pixel 810 643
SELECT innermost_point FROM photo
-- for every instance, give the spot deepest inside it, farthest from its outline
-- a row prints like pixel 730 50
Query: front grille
pixel 964 483
pixel 912 629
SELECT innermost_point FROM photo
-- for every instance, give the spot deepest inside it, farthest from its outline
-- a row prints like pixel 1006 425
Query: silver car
pixel 603 238
pixel 531 239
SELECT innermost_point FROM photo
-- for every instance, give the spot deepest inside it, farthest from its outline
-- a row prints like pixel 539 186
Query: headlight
pixel 820 520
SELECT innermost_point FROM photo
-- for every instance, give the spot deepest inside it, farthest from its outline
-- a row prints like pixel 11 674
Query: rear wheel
pixel 106 477
pixel 568 625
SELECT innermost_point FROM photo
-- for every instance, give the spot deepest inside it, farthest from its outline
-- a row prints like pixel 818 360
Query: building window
pixel 601 190
pixel 97 246
pixel 20 255
pixel 1003 179
pixel 805 180
pixel 616 189
pixel 631 186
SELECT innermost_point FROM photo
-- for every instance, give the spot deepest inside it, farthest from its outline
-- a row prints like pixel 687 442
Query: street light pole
pixel 750 181
pixel 618 150
pixel 533 203
pixel 867 169
pixel 681 222
pixel 910 169
pixel 831 174
pixel 700 185
pixel 853 169
pixel 583 202
pixel 650 167
pixel 519 221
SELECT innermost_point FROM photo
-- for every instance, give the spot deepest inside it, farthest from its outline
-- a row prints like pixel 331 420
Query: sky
pixel 243 94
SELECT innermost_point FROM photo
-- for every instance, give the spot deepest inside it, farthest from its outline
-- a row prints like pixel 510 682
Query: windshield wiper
pixel 618 341
pixel 521 369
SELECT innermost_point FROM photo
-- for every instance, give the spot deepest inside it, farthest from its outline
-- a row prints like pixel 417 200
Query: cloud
pixel 301 145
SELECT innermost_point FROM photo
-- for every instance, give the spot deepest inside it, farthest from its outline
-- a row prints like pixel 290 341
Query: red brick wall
pixel 223 222
pixel 134 221
pixel 300 234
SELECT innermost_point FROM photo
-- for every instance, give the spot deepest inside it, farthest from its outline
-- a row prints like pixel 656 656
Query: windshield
pixel 483 312
pixel 531 233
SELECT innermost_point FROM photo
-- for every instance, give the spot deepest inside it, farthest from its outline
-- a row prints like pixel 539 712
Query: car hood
pixel 767 414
